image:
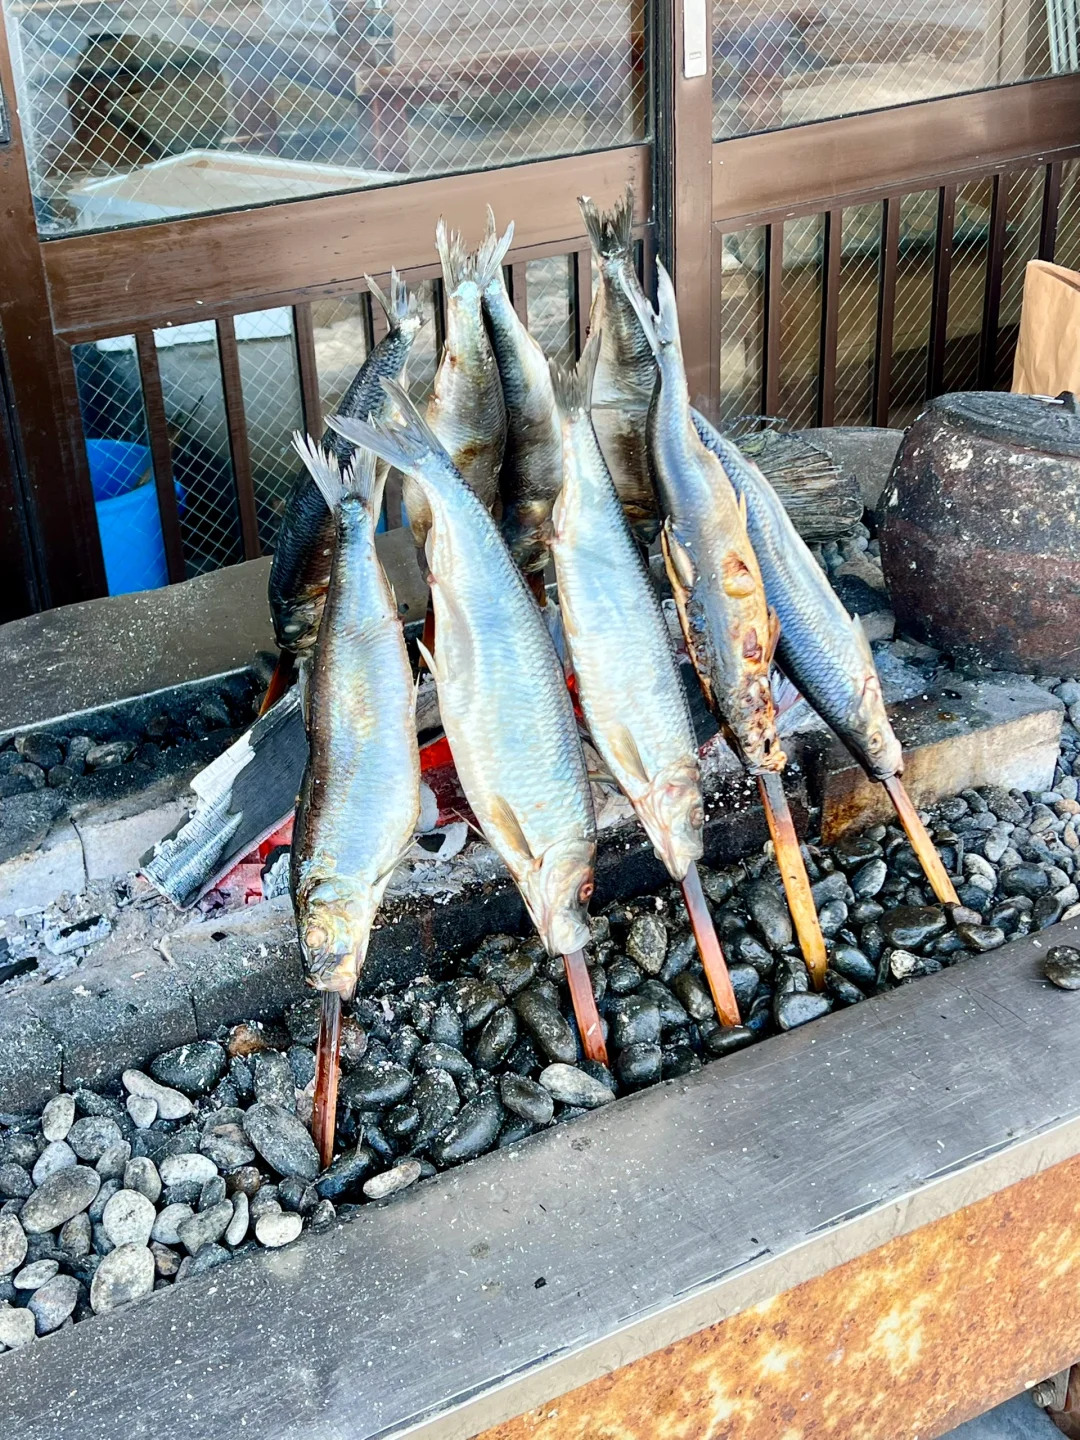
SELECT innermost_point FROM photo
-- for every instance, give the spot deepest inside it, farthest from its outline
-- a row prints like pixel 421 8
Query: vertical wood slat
pixel 239 447
pixel 939 304
pixel 581 292
pixel 774 276
pixel 519 290
pixel 157 426
pixel 830 316
pixel 1051 202
pixel 308 369
pixel 438 306
pixel 392 500
pixel 890 253
pixel 995 264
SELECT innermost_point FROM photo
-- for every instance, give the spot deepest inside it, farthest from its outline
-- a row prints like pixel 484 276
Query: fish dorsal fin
pixel 429 661
pixel 624 748
pixel 509 829
pixel 680 562
pixel 738 582
pixel 862 642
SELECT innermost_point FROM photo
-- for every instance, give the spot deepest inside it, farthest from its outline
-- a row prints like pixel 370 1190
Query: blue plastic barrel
pixel 129 521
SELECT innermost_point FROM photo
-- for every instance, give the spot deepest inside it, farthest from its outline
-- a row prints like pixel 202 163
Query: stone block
pixel 30 1060
pixel 957 735
pixel 33 880
pixel 866 451
pixel 113 845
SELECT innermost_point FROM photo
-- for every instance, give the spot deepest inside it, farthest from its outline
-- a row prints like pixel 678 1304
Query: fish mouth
pixel 672 813
pixel 556 894
pixel 333 922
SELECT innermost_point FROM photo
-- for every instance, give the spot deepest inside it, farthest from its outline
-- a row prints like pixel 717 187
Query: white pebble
pixel 390 1181
pixel 166 1229
pixel 57 1155
pixel 187 1168
pixel 32 1277
pixel 143 1109
pixel 125 1274
pixel 16 1327
pixel 58 1117
pixel 128 1218
pixel 171 1104
pixel 238 1225
pixel 274 1230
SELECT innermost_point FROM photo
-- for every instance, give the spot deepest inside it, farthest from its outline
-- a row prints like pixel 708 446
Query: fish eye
pixel 315 937
pixel 585 891
pixel 875 742
pixel 696 817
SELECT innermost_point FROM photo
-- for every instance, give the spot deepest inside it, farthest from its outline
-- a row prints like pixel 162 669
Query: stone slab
pixel 1018 1419
pixel 35 879
pixel 865 450
pixel 31 1059
pixel 114 845
pixel 957 735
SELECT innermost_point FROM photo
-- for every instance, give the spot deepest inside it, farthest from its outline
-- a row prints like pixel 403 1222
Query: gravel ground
pixel 206 1154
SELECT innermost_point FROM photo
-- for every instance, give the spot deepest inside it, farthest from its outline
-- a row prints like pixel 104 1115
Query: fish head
pixel 334 920
pixel 557 890
pixel 673 814
pixel 296 624
pixel 881 750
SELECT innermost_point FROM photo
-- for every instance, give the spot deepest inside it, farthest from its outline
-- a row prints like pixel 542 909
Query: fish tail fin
pixel 457 264
pixel 406 441
pixel 647 317
pixel 667 323
pixel 358 478
pixel 322 468
pixel 572 385
pixel 492 251
pixel 399 305
pixel 609 231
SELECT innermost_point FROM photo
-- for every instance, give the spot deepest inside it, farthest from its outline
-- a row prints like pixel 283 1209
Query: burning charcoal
pixel 769 912
pixel 282 1141
pixel 646 943
pixel 192 1069
pixel 547 1026
pixel 571 1086
pixel 1062 967
pixel 639 1064
pixel 474 1130
pixel 719 1040
pixel 12 1244
pixel 276 1229
pixel 391 1181
pixel 798 1008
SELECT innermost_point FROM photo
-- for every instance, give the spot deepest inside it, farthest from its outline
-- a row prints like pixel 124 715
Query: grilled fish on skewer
pixel 628 685
pixel 530 473
pixel 466 409
pixel 630 692
pixel 305 540
pixel 823 649
pixel 730 631
pixel 360 797
pixel 626 368
pixel 502 696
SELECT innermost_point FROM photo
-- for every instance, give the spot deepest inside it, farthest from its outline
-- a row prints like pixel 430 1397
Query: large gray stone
pixel 31 1059
pixel 36 877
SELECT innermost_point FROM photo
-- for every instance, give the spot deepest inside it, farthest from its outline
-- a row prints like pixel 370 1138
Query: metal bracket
pixel 695 29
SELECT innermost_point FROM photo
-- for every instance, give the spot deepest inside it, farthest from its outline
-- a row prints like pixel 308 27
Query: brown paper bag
pixel 1048 349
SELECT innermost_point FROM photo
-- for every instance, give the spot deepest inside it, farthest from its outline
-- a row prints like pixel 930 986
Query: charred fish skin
pixel 360 797
pixel 502 694
pixel 823 649
pixel 530 477
pixel 730 631
pixel 302 552
pixel 627 681
pixel 466 409
pixel 626 368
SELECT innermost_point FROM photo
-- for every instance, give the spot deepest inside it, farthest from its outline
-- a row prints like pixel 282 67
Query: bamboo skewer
pixel 921 843
pixel 708 944
pixel 789 861
pixel 327 1075
pixel 585 1011
pixel 282 678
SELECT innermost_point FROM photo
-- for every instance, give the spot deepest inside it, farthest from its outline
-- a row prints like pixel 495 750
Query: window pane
pixel 742 298
pixel 785 66
pixel 270 380
pixel 153 108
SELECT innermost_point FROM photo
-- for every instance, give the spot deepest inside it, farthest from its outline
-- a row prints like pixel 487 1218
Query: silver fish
pixel 626 370
pixel 822 648
pixel 360 798
pixel 466 409
pixel 627 679
pixel 502 694
pixel 530 474
pixel 730 631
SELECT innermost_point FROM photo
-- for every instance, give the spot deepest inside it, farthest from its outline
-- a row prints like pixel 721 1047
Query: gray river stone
pixel 17 1327
pixel 473 1130
pixel 187 1168
pixel 849 961
pixel 273 1078
pixel 693 994
pixel 527 1099
pixel 124 1275
pixel 282 1141
pixel 58 1117
pixel 62 1196
pixel 1062 967
pixel 237 1228
pixel 646 943
pixel 57 1155
pixel 497 1038
pixel 166 1229
pixel 547 1026
pixel 275 1229
pixel 909 926
pixel 227 1146
pixel 129 1218
pixel 172 1104
pixel 349 1169
pixel 1025 879
pixel 867 881
pixel 192 1069
pixel 391 1181
pixel 205 1228
pixel 32 1277
pixel 639 1064
pixel 635 1020
pixel 798 1007
pixel 91 1136
pixel 15 1182
pixel 571 1086
pixel 141 1174
pixel 12 1244
pixel 53 1303
pixel 375 1083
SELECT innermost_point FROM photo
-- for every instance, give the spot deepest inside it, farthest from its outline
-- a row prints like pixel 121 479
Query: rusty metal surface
pixel 908 1340
pixel 980 538
pixel 489 1291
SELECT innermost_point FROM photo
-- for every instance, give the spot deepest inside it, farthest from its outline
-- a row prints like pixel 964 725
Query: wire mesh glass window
pixel 149 108
pixel 856 324
pixel 776 67
pixel 741 318
pixel 270 380
pixel 551 306
pixel 1022 226
pixel 800 320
